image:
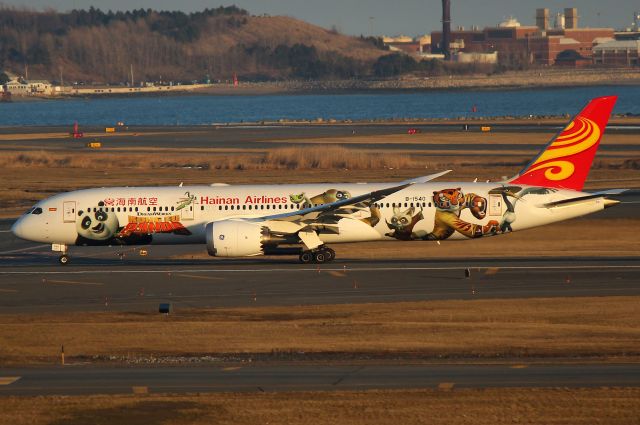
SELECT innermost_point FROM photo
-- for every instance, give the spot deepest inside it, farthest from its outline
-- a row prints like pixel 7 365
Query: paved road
pixel 74 380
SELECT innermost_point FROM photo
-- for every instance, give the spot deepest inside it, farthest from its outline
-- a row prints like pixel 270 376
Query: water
pixel 205 109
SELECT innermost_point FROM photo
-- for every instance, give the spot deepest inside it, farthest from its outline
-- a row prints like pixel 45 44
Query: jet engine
pixel 229 238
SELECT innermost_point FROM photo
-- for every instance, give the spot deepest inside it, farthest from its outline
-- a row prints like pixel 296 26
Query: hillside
pixel 95 46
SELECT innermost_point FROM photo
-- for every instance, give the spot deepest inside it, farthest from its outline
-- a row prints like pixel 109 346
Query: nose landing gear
pixel 321 255
pixel 62 248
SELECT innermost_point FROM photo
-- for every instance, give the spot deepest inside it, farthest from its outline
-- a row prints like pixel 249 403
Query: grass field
pixel 544 406
pixel 432 330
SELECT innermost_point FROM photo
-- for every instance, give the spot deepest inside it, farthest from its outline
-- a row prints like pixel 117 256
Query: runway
pixel 96 285
pixel 77 380
pixel 241 137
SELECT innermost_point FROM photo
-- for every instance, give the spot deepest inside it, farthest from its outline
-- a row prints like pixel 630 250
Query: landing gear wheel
pixel 320 257
pixel 306 257
pixel 330 253
pixel 64 259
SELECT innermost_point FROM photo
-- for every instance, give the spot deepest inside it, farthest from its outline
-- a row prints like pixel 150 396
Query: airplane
pixel 304 219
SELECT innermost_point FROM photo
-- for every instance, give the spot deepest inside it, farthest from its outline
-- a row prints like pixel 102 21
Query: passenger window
pixel 244 207
pixel 226 207
pixel 148 208
pixel 136 209
pixel 267 206
pixel 118 209
pixel 201 207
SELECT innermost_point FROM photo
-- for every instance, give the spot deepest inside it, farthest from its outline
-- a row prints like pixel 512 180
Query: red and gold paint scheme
pixel 566 161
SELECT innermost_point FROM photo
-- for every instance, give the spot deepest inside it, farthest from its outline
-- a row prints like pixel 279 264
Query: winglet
pixel 566 160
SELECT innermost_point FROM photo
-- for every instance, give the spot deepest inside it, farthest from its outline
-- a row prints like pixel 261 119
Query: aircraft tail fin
pixel 565 162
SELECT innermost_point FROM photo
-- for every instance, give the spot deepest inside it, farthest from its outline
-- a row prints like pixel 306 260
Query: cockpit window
pixel 30 210
pixel 37 211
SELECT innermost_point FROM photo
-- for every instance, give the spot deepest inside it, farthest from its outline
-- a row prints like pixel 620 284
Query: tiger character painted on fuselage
pixel 449 204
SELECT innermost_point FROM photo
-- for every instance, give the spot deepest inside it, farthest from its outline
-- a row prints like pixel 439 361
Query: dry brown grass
pixel 290 158
pixel 481 329
pixel 583 406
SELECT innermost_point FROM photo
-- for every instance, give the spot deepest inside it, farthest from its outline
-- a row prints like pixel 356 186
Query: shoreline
pixel 509 81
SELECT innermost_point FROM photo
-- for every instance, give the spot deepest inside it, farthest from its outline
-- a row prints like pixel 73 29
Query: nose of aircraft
pixel 18 229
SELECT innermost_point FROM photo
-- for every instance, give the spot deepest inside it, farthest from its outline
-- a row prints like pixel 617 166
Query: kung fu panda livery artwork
pixel 96 227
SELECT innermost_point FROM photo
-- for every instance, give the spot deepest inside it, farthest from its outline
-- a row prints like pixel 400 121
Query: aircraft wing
pixel 425 179
pixel 327 214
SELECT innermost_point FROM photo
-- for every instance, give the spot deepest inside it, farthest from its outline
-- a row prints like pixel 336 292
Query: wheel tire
pixel 64 259
pixel 320 257
pixel 331 254
pixel 306 257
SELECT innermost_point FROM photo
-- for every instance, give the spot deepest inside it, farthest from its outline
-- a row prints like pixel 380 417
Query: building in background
pixel 562 43
pixel 617 53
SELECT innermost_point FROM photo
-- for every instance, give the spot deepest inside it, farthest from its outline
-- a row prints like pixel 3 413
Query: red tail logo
pixel 566 160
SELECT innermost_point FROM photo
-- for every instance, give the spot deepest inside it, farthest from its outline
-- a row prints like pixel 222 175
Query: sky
pixel 376 17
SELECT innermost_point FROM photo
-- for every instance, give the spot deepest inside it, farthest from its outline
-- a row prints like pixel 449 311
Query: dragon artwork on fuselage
pixel 100 225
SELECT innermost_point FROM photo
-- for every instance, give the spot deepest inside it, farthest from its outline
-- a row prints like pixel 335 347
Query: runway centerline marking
pixel 72 282
pixel 195 276
pixel 8 380
pixel 299 270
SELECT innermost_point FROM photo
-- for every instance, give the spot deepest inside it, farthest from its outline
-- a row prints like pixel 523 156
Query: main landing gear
pixel 321 255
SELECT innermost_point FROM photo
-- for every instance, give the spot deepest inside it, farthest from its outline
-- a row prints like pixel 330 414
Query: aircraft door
pixel 495 205
pixel 187 212
pixel 69 211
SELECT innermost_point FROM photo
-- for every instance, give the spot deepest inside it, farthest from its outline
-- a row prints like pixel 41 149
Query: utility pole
pixel 371 18
pixel 131 75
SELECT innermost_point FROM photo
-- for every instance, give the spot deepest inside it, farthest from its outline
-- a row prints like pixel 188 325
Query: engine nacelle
pixel 229 238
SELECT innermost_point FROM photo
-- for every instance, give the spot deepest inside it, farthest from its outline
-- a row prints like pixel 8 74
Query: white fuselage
pixel 179 215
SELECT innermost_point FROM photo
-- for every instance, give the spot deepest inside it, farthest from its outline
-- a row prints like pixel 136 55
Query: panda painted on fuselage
pixel 95 227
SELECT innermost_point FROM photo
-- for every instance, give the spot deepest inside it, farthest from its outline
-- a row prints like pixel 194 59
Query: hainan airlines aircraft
pixel 302 219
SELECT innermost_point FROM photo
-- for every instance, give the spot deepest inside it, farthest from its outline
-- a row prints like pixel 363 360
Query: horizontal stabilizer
pixel 579 199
